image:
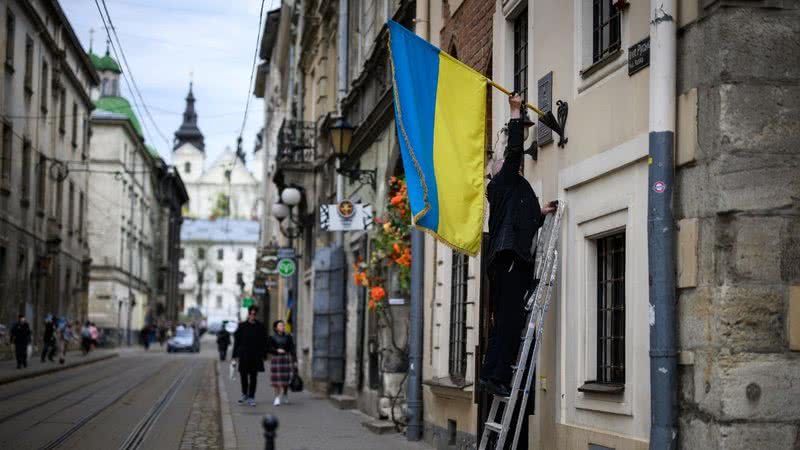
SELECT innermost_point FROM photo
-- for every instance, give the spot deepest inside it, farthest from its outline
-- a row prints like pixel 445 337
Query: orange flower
pixel 396 247
pixel 396 200
pixel 377 294
pixel 371 305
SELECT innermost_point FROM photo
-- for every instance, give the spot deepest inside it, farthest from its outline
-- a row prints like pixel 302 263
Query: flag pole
pixel 547 118
pixel 507 92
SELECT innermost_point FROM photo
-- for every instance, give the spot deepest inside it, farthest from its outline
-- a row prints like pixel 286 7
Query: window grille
pixel 611 309
pixel 458 316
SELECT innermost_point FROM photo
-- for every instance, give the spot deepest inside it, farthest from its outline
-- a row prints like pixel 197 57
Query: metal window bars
pixel 458 316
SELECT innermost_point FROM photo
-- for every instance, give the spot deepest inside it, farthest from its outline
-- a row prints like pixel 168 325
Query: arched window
pixel 187 167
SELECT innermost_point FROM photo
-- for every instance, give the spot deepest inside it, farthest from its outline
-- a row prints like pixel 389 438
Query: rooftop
pixel 115 108
pixel 220 230
pixel 105 62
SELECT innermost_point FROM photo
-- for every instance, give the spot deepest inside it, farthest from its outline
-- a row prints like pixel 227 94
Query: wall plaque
pixel 639 56
pixel 544 135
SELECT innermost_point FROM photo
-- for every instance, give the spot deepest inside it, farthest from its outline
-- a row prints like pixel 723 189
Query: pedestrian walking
pixel 49 339
pixel 283 362
pixel 86 338
pixel 249 353
pixel 21 338
pixel 514 218
pixel 65 336
pixel 94 334
pixel 223 341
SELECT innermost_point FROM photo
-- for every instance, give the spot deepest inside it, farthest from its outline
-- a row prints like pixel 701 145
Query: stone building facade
pixel 45 105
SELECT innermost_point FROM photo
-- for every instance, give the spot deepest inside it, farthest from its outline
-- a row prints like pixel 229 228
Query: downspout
pixel 416 325
pixel 342 50
pixel 660 226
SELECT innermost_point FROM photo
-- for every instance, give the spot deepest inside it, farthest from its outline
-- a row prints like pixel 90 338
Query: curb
pixel 49 370
pixel 228 433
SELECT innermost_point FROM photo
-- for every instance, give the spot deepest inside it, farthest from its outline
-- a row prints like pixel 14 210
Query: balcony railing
pixel 296 142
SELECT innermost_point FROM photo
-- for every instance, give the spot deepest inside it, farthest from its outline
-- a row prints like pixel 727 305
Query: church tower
pixel 188 131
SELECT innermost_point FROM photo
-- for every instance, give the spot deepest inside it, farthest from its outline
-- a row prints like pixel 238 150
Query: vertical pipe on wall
pixel 660 225
pixel 416 325
pixel 342 50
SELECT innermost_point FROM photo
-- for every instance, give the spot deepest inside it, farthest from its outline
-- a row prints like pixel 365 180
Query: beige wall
pixel 602 175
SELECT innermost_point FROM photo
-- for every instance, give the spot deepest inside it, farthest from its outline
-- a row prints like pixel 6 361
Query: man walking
pixel 514 218
pixel 49 339
pixel 223 341
pixel 21 338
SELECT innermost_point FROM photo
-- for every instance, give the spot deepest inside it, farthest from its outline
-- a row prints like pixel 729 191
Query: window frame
pixel 520 52
pixel 601 52
pixel 220 277
pixel 41 184
pixel 25 176
pixel 11 31
pixel 74 138
pixel 457 347
pixel 29 56
pixel 610 315
pixel 44 76
pixel 62 110
pixel 6 152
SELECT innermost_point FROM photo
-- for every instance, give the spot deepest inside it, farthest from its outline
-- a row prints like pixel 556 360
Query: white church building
pixel 220 233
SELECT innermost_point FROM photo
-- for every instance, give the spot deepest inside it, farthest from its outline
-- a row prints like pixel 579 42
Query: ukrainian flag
pixel 440 112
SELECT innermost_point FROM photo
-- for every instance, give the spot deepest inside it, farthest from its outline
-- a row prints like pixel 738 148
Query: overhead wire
pixel 253 68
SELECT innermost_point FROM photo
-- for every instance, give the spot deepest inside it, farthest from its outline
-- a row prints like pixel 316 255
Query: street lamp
pixel 341 133
pixel 290 197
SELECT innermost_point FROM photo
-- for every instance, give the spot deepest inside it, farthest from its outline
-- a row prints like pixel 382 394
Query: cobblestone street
pixel 203 429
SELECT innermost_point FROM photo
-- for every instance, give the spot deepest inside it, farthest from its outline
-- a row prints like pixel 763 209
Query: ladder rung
pixel 493 426
pixel 501 398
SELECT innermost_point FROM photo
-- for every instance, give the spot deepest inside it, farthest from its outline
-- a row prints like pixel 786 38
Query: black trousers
pixel 223 352
pixel 21 352
pixel 509 279
pixel 49 350
pixel 249 380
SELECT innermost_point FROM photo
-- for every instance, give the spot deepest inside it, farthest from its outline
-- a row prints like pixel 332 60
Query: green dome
pixel 104 63
pixel 119 105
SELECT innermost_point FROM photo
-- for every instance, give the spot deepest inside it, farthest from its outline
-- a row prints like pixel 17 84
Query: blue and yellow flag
pixel 440 112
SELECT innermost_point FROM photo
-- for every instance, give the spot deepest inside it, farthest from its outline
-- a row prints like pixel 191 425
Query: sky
pixel 168 41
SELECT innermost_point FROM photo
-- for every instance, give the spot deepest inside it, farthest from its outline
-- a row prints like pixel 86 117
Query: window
pixel 219 302
pixel 219 277
pixel 220 254
pixel 11 28
pixel 521 54
pixel 240 254
pixel 74 126
pixel 28 64
pixel 239 279
pixel 611 309
pixel 181 253
pixel 43 86
pixel 59 203
pixel 458 316
pixel 187 167
pixel 605 29
pixel 62 111
pixel 25 178
pixel 5 158
pixel 71 208
pixel 201 253
pixel 41 182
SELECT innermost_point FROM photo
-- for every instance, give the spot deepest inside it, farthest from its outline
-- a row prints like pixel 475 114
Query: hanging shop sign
pixel 345 216
pixel 286 267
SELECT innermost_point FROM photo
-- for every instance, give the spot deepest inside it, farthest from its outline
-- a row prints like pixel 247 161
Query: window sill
pixel 592 387
pixel 449 387
pixel 606 60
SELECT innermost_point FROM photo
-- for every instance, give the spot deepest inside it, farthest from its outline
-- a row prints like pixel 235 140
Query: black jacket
pixel 250 346
pixel 514 212
pixel 50 331
pixel 21 334
pixel 223 338
pixel 284 342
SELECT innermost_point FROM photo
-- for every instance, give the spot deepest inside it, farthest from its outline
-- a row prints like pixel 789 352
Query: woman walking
pixel 283 363
pixel 249 353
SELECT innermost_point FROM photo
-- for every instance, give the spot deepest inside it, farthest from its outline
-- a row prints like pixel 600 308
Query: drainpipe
pixel 660 226
pixel 415 329
pixel 342 50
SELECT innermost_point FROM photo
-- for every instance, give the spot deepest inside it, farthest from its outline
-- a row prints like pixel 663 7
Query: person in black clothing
pixel 249 353
pixel 21 337
pixel 223 341
pixel 283 363
pixel 514 218
pixel 49 339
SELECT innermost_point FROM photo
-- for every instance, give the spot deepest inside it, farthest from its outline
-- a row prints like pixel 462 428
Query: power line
pixel 253 68
pixel 135 91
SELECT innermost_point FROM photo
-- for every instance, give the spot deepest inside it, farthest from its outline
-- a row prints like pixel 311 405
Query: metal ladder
pixel 537 303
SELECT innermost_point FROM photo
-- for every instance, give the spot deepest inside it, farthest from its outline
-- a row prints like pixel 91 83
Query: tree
pixel 222 206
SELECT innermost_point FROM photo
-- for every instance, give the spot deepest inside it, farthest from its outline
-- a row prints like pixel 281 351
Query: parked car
pixel 185 340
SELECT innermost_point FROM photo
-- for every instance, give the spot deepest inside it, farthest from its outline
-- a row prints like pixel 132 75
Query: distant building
pixel 44 140
pixel 225 188
pixel 135 205
pixel 218 257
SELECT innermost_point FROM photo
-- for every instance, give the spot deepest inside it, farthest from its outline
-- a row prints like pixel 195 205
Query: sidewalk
pixel 9 372
pixel 309 422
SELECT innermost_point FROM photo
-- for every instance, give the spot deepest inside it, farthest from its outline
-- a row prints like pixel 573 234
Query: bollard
pixel 270 424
